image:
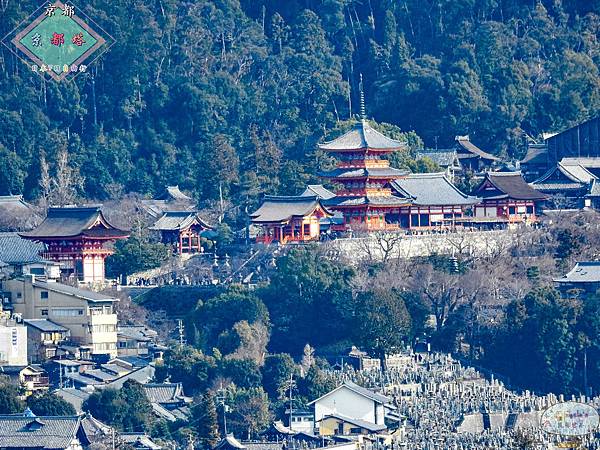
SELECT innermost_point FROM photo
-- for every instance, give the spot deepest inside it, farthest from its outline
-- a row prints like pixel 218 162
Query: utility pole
pixel 225 408
pixel 291 405
pixel 221 203
pixel 585 379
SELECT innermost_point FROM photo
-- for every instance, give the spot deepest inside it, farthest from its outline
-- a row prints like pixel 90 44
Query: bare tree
pixel 66 182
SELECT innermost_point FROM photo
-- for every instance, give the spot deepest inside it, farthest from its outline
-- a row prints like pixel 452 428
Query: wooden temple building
pixel 506 197
pixel 290 219
pixel 472 157
pixel 434 202
pixel 363 174
pixel 182 231
pixel 77 239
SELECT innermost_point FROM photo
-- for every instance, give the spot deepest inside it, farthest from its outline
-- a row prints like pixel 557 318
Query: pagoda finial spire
pixel 363 111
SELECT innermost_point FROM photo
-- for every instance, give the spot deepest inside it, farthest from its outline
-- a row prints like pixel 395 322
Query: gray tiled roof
pixel 75 397
pixel 39 432
pixel 16 250
pixel 282 209
pixel 594 189
pixel 173 193
pixel 443 158
pixel 139 441
pixel 583 272
pixel 16 213
pixel 73 291
pixel 164 393
pixel 367 393
pixel 230 442
pixel 563 173
pixel 179 220
pixel 587 162
pixel 71 222
pixel 45 325
pixel 318 190
pixel 379 172
pixel 431 189
pixel 465 144
pixel 362 136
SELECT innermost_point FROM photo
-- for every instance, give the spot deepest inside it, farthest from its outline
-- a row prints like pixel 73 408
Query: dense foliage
pixel 234 94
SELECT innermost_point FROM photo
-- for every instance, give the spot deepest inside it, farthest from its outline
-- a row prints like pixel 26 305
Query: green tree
pixel 135 255
pixel 204 415
pixel 10 403
pixel 50 405
pixel 316 289
pixel 249 413
pixel 276 372
pixel 382 322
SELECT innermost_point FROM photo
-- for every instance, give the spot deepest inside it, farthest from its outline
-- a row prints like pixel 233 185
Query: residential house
pixel 506 199
pixel 135 340
pixel 23 257
pixel 336 424
pixel 290 219
pixel 351 402
pixel 300 420
pixel 88 315
pixel 42 433
pixel 33 378
pixel 583 278
pixel 44 338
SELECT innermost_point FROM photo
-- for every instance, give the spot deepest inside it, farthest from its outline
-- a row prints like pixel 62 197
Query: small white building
pixel 13 342
pixel 352 401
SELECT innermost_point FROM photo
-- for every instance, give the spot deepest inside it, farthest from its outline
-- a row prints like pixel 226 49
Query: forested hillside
pixel 237 92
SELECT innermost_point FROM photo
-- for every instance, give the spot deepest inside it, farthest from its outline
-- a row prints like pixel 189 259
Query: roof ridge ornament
pixel 363 110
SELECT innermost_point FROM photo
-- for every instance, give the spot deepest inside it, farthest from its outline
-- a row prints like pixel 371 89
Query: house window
pixel 44 312
pixel 306 228
pixel 355 430
pixel 19 295
pixel 67 312
pixel 530 209
pixel 44 295
pixel 414 220
pixel 512 210
pixel 424 220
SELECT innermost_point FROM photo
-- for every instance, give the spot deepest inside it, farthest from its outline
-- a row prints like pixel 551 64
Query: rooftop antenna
pixel 363 111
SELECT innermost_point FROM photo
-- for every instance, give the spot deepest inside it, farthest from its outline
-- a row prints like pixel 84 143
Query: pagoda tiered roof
pixel 71 222
pixel 367 200
pixel 371 172
pixel 362 137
